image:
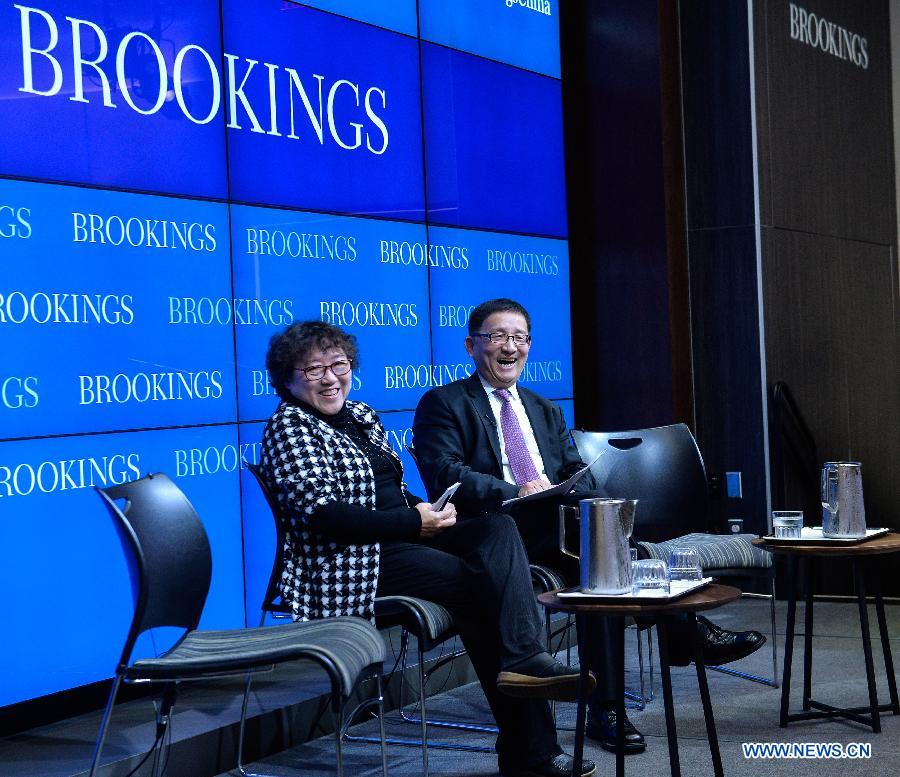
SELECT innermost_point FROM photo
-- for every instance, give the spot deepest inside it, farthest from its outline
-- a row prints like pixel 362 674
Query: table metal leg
pixel 584 647
pixel 788 639
pixel 808 568
pixel 886 649
pixel 867 644
pixel 662 636
pixel 704 697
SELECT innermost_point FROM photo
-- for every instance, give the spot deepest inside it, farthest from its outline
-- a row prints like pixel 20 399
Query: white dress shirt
pixel 527 432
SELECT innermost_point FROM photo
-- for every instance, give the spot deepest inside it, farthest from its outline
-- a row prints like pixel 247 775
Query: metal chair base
pixel 773 681
pixel 423 721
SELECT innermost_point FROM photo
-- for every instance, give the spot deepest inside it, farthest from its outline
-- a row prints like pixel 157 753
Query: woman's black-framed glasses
pixel 338 368
pixel 501 337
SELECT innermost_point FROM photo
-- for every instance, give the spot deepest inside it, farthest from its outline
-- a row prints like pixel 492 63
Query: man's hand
pixel 533 486
pixel 435 522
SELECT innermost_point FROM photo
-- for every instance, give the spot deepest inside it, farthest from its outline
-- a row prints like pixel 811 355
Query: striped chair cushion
pixel 408 611
pixel 351 644
pixel 717 551
pixel 546 579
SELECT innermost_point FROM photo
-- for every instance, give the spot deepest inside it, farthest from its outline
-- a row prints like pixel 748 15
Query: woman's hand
pixel 435 522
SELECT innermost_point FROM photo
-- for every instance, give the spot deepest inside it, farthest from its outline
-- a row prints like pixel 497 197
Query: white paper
pixel 441 502
pixel 560 490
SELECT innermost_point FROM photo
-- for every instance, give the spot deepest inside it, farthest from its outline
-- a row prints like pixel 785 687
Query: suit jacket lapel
pixel 541 433
pixel 479 399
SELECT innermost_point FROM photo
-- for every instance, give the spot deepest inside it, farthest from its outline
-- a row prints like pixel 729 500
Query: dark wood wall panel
pixel 727 386
pixel 829 261
pixel 824 178
pixel 831 335
pixel 829 314
pixel 826 124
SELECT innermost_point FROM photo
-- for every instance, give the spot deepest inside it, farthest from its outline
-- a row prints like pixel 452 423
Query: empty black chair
pixel 171 565
pixel 663 469
pixel 429 623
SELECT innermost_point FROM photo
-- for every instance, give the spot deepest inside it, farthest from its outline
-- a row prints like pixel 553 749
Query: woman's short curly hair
pixel 291 347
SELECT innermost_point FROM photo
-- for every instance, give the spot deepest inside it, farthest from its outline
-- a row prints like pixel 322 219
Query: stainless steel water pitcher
pixel 843 512
pixel 605 527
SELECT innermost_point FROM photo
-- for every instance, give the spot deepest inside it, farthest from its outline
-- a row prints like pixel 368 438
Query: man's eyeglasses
pixel 340 367
pixel 501 337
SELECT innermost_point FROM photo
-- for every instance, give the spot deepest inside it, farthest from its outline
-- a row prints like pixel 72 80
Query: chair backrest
pixel 169 555
pixel 270 601
pixel 661 467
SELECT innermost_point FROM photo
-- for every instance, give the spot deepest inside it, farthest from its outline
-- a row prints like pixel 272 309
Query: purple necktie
pixel 520 461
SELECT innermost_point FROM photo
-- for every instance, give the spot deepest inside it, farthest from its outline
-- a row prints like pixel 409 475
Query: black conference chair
pixel 171 565
pixel 663 469
pixel 431 625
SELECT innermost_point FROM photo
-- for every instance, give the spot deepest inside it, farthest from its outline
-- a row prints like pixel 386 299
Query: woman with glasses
pixel 355 531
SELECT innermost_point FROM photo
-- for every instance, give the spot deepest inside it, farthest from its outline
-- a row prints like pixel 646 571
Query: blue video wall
pixel 181 180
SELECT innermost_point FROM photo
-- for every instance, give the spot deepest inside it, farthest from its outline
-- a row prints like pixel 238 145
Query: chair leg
pixel 646 693
pixel 163 730
pixel 422 714
pixel 643 701
pixel 549 631
pixel 422 721
pixel 104 725
pixel 404 665
pixel 240 752
pixel 774 635
pixel 380 692
pixel 639 698
pixel 773 682
pixel 337 709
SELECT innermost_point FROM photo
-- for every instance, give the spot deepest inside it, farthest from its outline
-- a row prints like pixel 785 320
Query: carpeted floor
pixel 205 728
pixel 745 712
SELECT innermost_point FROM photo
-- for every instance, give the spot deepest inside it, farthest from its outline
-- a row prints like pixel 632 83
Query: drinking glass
pixel 684 564
pixel 650 575
pixel 787 524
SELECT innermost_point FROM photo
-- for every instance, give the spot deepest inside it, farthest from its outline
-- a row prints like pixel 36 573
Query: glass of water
pixel 650 575
pixel 787 524
pixel 684 564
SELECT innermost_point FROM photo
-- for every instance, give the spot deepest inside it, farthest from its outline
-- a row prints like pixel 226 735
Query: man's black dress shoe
pixel 721 646
pixel 542 677
pixel 601 726
pixel 561 766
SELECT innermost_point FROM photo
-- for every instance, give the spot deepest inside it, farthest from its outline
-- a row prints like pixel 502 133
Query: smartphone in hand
pixel 441 502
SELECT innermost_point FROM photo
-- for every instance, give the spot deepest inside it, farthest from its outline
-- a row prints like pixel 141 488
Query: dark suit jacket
pixel 456 438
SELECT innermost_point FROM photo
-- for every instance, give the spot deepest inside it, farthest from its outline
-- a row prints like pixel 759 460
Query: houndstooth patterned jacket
pixel 312 464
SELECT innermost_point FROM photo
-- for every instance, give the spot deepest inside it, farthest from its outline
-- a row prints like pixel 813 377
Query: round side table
pixel 804 555
pixel 706 598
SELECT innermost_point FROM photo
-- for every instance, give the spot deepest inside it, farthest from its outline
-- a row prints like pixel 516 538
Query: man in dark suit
pixel 501 440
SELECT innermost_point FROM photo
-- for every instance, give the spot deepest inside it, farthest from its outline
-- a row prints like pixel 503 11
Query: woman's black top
pixel 392 518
